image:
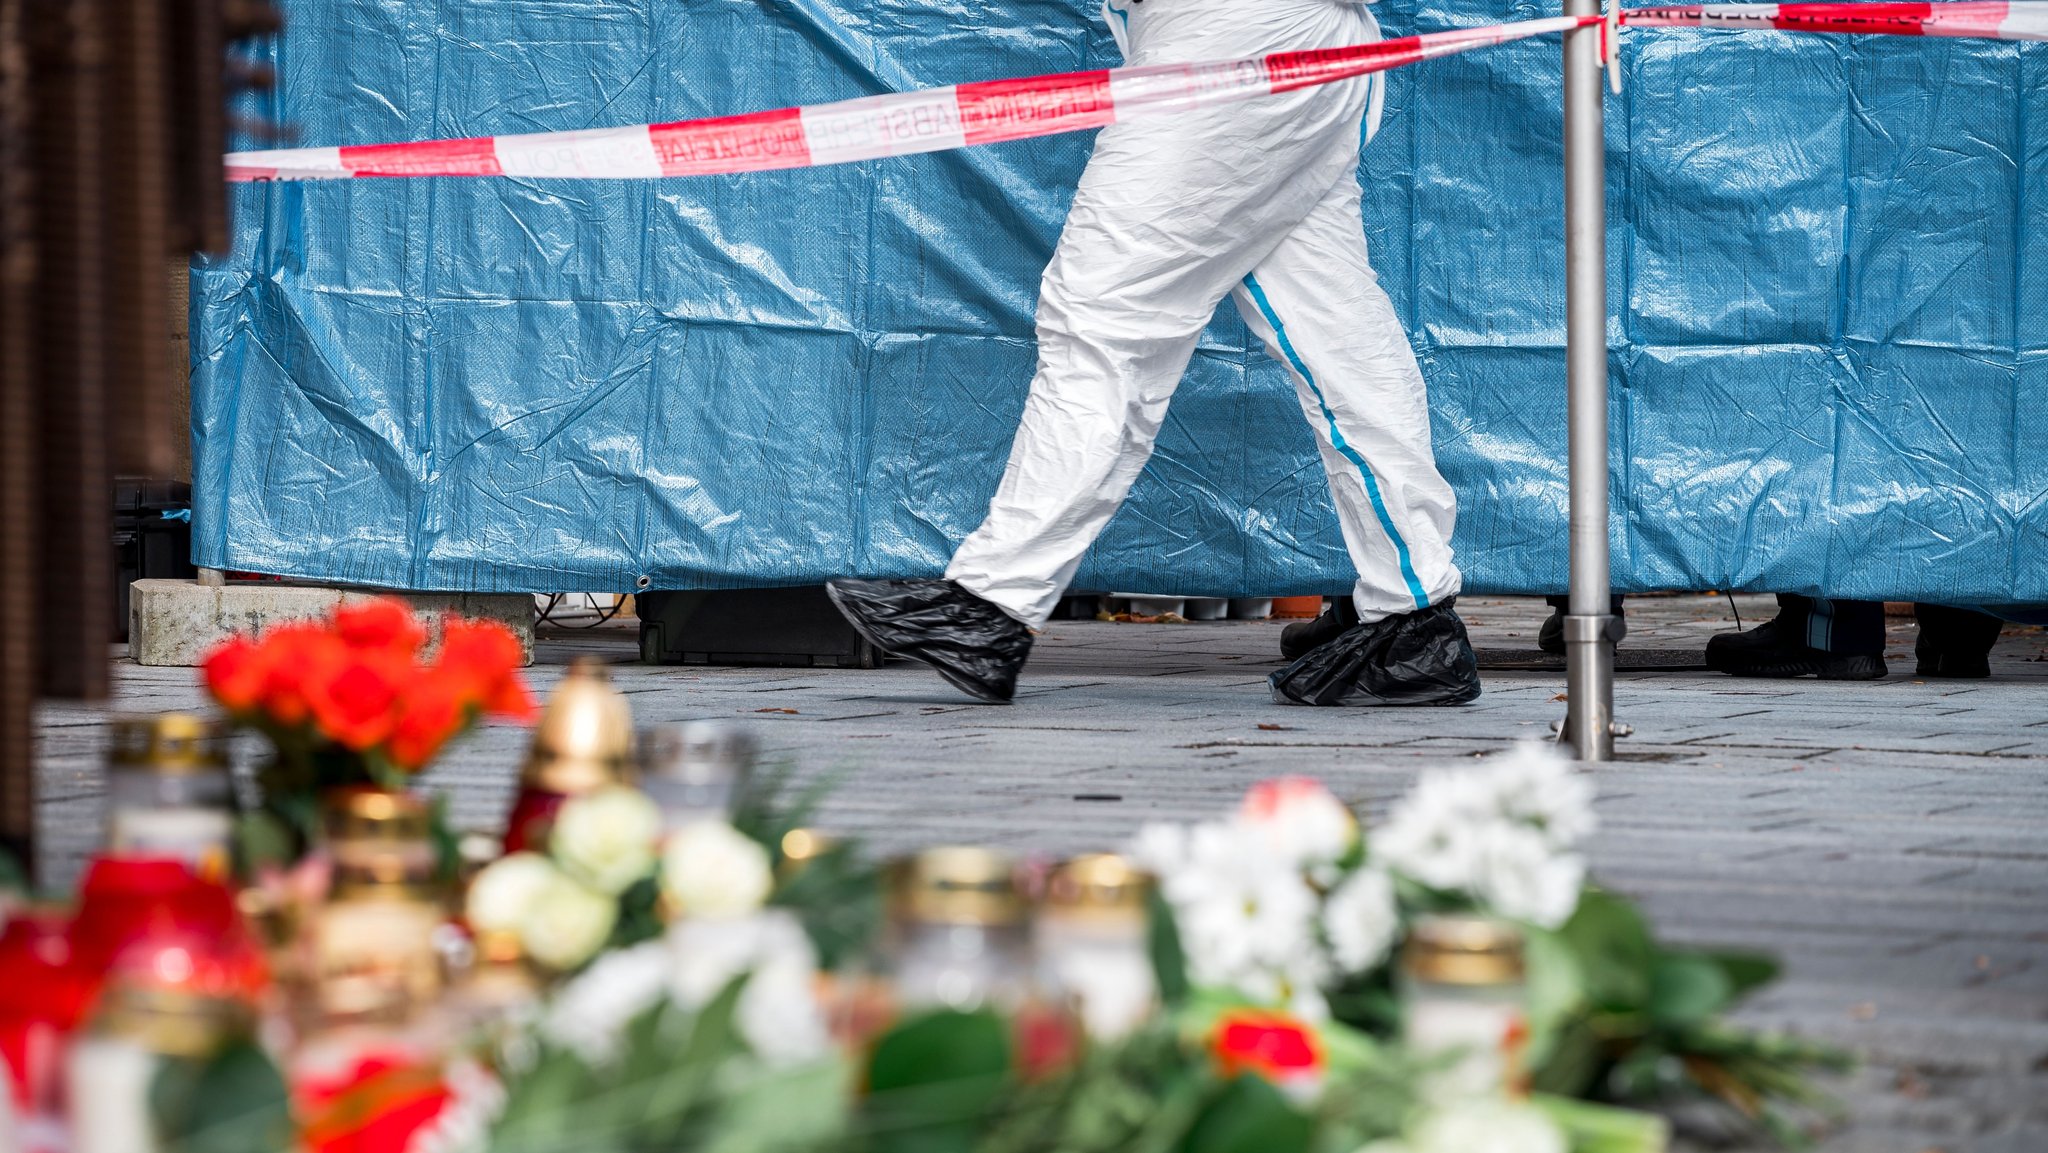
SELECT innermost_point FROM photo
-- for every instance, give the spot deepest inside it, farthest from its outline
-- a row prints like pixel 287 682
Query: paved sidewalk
pixel 1889 839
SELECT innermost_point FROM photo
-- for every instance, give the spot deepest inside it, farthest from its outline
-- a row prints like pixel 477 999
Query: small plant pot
pixel 1297 608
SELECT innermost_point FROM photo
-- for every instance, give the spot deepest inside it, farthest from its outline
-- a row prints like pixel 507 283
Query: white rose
pixel 500 896
pixel 1535 786
pixel 606 838
pixel 778 1015
pixel 1361 920
pixel 1521 877
pixel 590 1013
pixel 1436 846
pixel 1246 915
pixel 1162 849
pixel 566 924
pixel 710 869
pixel 1488 1126
pixel 1301 821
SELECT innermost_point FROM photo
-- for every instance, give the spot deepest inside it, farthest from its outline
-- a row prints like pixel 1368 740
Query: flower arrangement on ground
pixel 1286 977
pixel 1279 936
pixel 356 698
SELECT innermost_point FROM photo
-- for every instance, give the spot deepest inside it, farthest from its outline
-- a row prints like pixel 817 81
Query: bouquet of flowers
pixel 1286 902
pixel 358 698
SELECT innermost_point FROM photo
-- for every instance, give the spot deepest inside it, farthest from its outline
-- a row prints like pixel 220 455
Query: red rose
pixel 356 701
pixel 1272 1045
pixel 434 711
pixel 236 671
pixel 484 657
pixel 384 625
pixel 297 655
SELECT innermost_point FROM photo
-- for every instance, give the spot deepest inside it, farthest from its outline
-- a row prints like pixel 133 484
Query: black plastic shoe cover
pixel 1418 658
pixel 976 646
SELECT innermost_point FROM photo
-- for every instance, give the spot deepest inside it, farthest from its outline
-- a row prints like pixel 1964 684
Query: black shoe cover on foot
pixel 1418 658
pixel 976 646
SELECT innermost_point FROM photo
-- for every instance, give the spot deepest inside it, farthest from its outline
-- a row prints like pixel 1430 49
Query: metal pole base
pixel 1589 726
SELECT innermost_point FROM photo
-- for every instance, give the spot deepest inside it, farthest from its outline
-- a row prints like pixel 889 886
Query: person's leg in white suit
pixel 1171 216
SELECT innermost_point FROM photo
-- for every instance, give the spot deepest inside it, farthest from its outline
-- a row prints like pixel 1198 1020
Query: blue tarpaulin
pixel 1828 269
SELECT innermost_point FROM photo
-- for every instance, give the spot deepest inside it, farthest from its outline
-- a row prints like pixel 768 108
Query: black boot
pixel 1298 638
pixel 1850 648
pixel 1954 644
pixel 1418 658
pixel 1550 638
pixel 976 646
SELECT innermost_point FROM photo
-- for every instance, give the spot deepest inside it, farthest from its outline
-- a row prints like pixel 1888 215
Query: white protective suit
pixel 1257 200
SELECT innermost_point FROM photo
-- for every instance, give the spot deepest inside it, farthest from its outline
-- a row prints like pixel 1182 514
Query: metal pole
pixel 1589 647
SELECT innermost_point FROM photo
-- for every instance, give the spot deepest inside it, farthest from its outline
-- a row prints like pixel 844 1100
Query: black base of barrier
pixel 777 628
pixel 1626 660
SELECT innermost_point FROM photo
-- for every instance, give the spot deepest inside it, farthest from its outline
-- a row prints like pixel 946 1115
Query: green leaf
pixel 1249 1116
pixel 232 1102
pixel 263 840
pixel 940 1047
pixel 803 1108
pixel 838 898
pixel 1687 989
pixel 1575 1062
pixel 1746 971
pixel 1594 1128
pixel 1614 952
pixel 639 915
pixel 1556 992
pixel 933 1080
pixel 657 1094
pixel 1169 959
pixel 447 846
pixel 551 1106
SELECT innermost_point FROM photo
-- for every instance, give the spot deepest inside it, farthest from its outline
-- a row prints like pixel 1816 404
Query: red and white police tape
pixel 936 119
pixel 928 120
pixel 2017 21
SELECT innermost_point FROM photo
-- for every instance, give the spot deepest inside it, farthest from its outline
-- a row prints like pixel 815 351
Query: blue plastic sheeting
pixel 1829 270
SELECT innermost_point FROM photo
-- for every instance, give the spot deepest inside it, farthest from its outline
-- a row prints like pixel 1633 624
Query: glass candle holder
pixel 373 953
pixel 170 793
pixel 1465 1001
pixel 959 933
pixel 694 771
pixel 1092 938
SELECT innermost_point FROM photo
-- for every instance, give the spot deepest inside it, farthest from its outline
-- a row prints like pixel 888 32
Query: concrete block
pixel 175 622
